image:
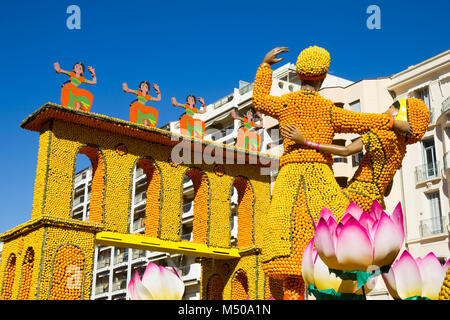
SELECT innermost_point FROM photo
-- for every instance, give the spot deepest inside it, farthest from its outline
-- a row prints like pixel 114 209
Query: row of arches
pixel 66 280
pixel 146 198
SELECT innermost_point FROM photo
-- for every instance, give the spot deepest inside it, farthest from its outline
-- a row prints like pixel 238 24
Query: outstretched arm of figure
pixel 158 92
pixel 262 100
pixel 176 104
pixel 58 69
pixel 234 115
pixel 126 89
pixel 203 109
pixel 346 121
pixel 94 77
pixel 291 132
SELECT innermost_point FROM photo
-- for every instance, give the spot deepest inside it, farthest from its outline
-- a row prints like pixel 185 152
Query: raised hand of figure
pixel 57 67
pixel 174 101
pixel 91 70
pixel 403 127
pixel 200 99
pixel 291 132
pixel 272 56
pixel 156 87
pixel 125 86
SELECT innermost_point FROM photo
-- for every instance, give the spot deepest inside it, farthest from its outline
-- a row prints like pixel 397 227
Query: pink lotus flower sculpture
pixel 361 239
pixel 419 278
pixel 323 283
pixel 157 283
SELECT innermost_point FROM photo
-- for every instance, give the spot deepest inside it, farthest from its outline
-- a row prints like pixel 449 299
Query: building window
pixel 423 94
pixel 355 106
pixel 429 154
pixel 434 224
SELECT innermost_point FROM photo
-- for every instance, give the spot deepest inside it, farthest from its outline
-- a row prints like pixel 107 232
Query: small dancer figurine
pixel 190 126
pixel 72 96
pixel 247 138
pixel 139 112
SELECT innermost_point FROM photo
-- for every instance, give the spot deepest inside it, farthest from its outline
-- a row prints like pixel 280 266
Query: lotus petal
pixel 433 275
pixel 407 276
pixel 308 264
pixel 353 210
pixel 326 214
pixel 387 241
pixel 353 247
pixel 397 218
pixel 389 281
pixel 162 283
pixel 140 291
pixel 324 244
pixel 375 210
pixel 322 277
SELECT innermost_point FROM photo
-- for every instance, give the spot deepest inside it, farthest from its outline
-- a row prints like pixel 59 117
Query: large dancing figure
pixel 72 96
pixel 189 126
pixel 305 183
pixel 139 112
pixel 385 150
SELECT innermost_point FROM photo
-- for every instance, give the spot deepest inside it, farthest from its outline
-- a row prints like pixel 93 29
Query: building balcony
pixel 138 225
pixel 103 263
pixel 433 226
pixel 101 288
pixel 120 258
pixel 223 101
pixel 137 254
pixel 140 197
pixel 428 171
pixel 445 105
pixel 119 285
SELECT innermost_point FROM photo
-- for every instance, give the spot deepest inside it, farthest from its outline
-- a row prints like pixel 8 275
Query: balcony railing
pixel 101 288
pixel 447 160
pixel 138 254
pixel 119 285
pixel 445 105
pixel 433 226
pixel 120 258
pixel 427 171
pixel 137 224
pixel 102 263
pixel 223 101
pixel 245 89
pixel 140 197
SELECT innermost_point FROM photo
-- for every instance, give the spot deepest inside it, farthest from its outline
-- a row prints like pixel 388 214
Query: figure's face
pixel 78 68
pixel 190 100
pixel 144 88
pixel 249 115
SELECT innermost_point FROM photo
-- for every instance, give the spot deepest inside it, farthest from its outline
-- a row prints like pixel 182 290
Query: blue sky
pixel 198 47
